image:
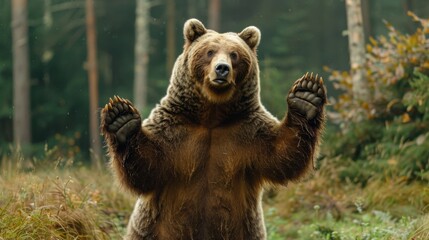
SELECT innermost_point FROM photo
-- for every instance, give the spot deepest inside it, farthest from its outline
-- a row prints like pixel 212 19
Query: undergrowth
pixel 67 203
pixel 326 207
pixel 75 202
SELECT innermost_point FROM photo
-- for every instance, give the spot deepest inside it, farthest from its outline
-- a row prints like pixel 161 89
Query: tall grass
pixel 54 203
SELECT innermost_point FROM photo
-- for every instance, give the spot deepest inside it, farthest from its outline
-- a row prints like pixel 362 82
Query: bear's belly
pixel 210 196
pixel 205 212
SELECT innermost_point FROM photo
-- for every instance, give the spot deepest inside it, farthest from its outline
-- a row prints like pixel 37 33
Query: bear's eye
pixel 234 56
pixel 210 53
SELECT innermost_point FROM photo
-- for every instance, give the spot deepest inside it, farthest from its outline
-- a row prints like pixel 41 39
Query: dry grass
pixel 394 195
pixel 421 228
pixel 62 204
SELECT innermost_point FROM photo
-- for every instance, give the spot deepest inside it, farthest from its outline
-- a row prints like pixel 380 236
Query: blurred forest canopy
pixel 297 36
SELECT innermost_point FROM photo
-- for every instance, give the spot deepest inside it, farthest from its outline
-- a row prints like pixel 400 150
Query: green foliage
pixel 388 132
pixel 357 226
pixel 274 224
pixel 418 97
pixel 321 209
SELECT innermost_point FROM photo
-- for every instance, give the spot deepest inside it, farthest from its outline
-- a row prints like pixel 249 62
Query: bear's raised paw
pixel 120 118
pixel 307 96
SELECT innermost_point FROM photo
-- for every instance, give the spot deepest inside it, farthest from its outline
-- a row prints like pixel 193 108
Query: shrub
pixel 389 130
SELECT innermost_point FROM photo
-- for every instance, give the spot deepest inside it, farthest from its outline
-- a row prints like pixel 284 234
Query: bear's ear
pixel 193 29
pixel 252 36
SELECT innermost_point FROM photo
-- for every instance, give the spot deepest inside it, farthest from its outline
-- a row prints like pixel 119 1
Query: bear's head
pixel 222 66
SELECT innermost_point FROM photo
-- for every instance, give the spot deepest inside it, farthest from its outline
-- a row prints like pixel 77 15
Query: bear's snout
pixel 222 70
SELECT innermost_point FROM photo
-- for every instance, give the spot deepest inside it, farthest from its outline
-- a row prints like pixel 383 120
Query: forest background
pixel 373 169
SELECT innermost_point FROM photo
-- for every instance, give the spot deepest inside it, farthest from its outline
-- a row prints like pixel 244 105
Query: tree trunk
pixel 93 85
pixel 171 35
pixel 21 81
pixel 214 12
pixel 357 50
pixel 141 49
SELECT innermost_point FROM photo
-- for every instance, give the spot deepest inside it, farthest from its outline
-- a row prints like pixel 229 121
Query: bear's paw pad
pixel 308 96
pixel 120 118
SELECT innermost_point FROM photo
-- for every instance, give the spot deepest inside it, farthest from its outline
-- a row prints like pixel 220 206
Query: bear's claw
pixel 307 96
pixel 120 118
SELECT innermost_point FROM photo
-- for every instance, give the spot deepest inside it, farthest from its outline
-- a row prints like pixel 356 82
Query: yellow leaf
pixel 327 69
pixel 406 118
pixel 365 105
pixel 415 60
pixel 373 41
pixel 413 40
pixel 368 48
pixel 414 16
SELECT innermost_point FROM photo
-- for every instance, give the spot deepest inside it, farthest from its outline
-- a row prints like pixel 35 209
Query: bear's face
pixel 219 63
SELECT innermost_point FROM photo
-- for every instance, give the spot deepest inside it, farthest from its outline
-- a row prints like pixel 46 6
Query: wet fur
pixel 198 164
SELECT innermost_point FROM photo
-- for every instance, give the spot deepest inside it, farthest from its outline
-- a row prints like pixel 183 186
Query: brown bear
pixel 199 162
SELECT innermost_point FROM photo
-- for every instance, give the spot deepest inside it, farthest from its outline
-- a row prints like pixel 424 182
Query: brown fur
pixel 200 159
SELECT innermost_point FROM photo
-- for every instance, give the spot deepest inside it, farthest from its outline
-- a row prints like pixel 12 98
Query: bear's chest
pixel 217 155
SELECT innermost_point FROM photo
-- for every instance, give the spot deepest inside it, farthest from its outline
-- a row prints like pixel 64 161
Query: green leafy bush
pixel 387 133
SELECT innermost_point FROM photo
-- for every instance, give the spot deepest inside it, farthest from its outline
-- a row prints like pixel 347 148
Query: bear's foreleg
pixel 298 135
pixel 135 158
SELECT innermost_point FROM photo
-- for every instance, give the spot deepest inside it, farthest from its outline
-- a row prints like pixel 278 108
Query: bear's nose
pixel 222 70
